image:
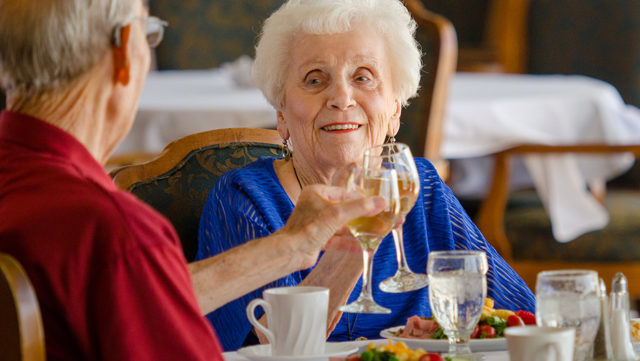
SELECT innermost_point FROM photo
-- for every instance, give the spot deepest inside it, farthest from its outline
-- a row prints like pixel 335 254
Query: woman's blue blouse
pixel 250 202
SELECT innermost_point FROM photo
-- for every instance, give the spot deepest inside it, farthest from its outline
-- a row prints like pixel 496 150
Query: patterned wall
pixel 599 38
pixel 206 33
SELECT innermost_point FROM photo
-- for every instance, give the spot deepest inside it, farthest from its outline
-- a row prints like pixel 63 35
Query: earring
pixel 391 139
pixel 286 151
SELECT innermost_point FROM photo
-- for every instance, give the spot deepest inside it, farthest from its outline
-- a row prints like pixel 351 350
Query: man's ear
pixel 121 63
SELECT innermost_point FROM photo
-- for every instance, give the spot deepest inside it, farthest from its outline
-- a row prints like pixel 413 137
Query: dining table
pixel 362 345
pixel 485 113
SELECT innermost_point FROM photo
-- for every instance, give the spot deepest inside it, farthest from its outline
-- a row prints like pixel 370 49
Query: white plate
pixel 435 345
pixel 263 353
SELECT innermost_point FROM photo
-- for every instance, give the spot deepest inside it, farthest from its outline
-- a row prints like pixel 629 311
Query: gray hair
pixel 46 44
pixel 390 17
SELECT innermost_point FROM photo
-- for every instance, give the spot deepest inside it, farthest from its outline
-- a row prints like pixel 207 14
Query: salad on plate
pixel 487 336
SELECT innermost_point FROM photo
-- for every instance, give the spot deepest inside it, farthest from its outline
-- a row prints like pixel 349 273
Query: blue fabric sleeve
pixel 450 226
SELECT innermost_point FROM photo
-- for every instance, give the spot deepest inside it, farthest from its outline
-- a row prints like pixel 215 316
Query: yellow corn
pixel 503 314
pixel 489 302
pixel 401 350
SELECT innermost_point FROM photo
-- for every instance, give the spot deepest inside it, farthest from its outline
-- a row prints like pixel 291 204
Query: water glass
pixel 569 298
pixel 457 291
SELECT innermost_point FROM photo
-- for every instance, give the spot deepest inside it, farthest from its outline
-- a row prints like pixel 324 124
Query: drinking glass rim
pixel 567 274
pixel 456 253
pixel 401 147
pixel 296 290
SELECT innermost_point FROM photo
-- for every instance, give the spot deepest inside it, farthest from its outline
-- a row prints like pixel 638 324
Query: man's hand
pixel 320 212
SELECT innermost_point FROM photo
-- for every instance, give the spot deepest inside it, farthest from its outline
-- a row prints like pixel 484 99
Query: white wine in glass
pixel 398 156
pixel 370 231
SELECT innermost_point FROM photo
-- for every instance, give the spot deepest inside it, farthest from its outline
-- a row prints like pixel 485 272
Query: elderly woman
pixel 338 74
pixel 108 270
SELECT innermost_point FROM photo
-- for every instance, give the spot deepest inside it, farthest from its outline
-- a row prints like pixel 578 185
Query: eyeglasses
pixel 154 30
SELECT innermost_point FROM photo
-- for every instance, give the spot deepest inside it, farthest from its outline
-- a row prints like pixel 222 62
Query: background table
pixel 488 113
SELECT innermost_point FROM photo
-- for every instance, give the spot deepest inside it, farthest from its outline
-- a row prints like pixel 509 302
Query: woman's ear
pixel 394 122
pixel 282 126
pixel 121 61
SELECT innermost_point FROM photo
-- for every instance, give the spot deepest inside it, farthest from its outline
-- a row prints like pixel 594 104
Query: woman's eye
pixel 313 81
pixel 362 78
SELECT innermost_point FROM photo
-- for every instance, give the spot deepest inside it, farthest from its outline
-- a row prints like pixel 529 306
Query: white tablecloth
pixel 174 104
pixel 486 113
pixel 491 356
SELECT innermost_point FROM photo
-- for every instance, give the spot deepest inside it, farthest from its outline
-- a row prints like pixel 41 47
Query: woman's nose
pixel 341 96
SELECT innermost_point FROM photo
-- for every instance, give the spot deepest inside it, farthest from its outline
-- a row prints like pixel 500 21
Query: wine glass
pixel 398 156
pixel 457 291
pixel 372 179
pixel 569 298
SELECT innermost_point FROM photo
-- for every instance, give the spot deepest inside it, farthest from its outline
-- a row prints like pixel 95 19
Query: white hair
pixel 46 44
pixel 389 17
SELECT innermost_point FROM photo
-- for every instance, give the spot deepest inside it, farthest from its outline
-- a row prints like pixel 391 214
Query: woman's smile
pixel 338 128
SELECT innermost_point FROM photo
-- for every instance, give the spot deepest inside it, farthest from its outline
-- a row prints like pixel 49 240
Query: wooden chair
pixel 422 122
pixel 21 330
pixel 491 218
pixel 177 182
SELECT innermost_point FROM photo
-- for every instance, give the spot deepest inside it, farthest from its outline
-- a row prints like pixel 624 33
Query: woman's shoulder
pixel 426 170
pixel 257 173
pixel 254 185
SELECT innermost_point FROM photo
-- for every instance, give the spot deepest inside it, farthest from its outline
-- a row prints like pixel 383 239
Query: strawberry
pixel 514 320
pixel 528 317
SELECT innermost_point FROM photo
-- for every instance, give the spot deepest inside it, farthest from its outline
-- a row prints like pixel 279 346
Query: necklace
pixel 296 174
pixel 350 327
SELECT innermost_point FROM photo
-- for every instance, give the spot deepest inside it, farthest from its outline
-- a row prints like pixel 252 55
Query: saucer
pixel 263 353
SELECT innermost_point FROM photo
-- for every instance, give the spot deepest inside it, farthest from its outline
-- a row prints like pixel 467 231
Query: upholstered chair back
pixel 178 181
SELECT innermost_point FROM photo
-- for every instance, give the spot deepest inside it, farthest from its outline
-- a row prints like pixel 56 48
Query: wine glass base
pixel 364 306
pixel 404 281
pixel 466 356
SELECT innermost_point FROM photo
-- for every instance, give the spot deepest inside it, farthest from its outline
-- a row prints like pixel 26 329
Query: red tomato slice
pixel 487 331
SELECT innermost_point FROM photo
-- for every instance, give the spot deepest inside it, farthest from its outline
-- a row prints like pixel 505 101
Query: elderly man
pixel 108 270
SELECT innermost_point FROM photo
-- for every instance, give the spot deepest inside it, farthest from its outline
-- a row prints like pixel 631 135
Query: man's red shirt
pixel 107 269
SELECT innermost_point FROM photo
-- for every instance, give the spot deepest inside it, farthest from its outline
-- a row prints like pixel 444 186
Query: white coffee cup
pixel 533 343
pixel 296 318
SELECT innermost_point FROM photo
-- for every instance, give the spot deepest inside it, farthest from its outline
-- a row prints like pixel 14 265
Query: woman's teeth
pixel 341 127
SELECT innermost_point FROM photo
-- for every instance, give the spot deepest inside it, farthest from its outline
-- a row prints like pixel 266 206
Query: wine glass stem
pixel 367 257
pixel 459 345
pixel 399 242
